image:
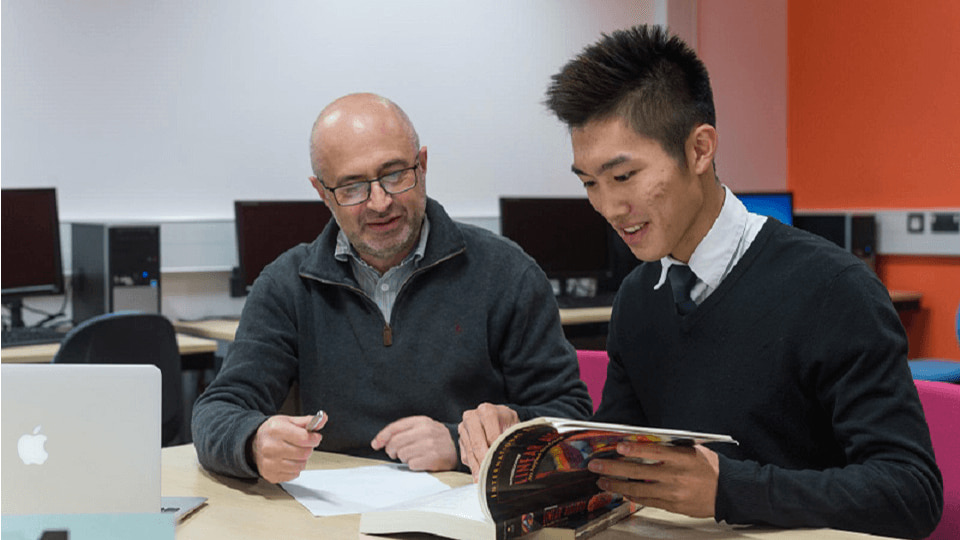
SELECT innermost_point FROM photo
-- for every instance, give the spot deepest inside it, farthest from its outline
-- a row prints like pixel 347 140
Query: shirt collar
pixel 714 254
pixel 346 250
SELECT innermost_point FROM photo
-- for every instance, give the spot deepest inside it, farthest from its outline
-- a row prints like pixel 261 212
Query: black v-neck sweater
pixel 801 357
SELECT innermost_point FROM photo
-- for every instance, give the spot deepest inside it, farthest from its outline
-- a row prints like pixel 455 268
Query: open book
pixel 534 479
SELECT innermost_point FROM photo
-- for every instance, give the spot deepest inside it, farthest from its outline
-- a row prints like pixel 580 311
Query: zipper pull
pixel 387 335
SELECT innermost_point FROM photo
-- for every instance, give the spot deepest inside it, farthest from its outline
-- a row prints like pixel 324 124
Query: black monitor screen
pixel 566 236
pixel 265 229
pixel 31 243
pixel 775 204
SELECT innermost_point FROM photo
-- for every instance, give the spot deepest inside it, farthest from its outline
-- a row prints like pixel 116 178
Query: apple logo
pixel 30 448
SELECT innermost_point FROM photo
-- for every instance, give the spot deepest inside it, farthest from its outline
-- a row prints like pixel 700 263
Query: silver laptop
pixel 80 438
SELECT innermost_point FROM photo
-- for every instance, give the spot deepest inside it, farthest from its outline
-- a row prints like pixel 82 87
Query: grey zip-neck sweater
pixel 476 322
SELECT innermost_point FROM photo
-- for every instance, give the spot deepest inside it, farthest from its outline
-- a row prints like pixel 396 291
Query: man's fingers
pixel 282 446
pixel 383 438
pixel 399 440
pixel 420 442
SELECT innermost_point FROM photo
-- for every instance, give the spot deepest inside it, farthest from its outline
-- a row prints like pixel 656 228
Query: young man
pixel 395 320
pixel 777 338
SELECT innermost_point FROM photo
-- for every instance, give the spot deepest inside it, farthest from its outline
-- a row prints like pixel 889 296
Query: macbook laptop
pixel 80 438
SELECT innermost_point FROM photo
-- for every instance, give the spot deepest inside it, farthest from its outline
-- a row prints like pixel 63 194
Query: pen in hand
pixel 314 422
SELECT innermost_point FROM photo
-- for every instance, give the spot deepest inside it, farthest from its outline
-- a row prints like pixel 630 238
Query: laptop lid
pixel 80 438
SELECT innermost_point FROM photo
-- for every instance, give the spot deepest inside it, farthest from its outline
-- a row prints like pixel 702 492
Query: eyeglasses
pixel 393 183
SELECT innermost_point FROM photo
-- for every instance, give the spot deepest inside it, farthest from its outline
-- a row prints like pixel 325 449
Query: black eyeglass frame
pixel 379 180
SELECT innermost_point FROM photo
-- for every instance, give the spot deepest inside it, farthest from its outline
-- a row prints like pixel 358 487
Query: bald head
pixel 347 119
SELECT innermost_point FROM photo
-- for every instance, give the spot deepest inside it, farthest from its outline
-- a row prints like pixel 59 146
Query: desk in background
pixel 241 509
pixel 226 329
pixel 586 328
pixel 219 329
pixel 190 346
pixel 906 300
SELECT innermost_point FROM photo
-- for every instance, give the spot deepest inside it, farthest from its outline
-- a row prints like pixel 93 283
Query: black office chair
pixel 132 337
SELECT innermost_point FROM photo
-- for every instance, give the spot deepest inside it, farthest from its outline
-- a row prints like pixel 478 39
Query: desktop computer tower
pixel 116 267
pixel 854 232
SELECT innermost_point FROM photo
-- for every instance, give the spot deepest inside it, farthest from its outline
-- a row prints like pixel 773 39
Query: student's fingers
pixel 678 479
pixel 647 450
pixel 490 418
pixel 620 468
pixel 471 429
pixel 469 460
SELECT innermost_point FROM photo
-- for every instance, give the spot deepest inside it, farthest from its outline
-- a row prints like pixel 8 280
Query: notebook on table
pixel 81 438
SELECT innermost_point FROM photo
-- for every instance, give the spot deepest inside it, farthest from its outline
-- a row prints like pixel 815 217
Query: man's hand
pixel 682 479
pixel 282 445
pixel 479 428
pixel 421 442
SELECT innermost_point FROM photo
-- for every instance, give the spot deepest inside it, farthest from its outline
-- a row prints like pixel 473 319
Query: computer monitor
pixel 775 204
pixel 566 236
pixel 32 264
pixel 265 229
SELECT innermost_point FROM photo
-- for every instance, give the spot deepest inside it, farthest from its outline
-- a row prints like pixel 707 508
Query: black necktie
pixel 681 281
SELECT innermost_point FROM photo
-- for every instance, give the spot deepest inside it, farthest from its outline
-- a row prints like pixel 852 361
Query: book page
pixel 351 491
pixel 463 502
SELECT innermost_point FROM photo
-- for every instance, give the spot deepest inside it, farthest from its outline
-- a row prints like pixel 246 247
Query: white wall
pixel 744 46
pixel 169 111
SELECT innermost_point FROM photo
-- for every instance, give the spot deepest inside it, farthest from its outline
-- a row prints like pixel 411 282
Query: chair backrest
pixel 593 372
pixel 131 337
pixel 941 406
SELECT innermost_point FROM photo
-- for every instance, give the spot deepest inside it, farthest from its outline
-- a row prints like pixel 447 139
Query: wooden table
pixel 43 354
pixel 573 316
pixel 219 329
pixel 241 509
pixel 226 329
pixel 906 300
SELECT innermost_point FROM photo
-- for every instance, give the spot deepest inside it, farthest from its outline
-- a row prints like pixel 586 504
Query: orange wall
pixel 873 122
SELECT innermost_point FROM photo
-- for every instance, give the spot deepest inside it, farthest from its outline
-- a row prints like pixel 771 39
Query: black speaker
pixel 854 232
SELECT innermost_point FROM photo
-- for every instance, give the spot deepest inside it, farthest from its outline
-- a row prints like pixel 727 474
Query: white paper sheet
pixel 352 491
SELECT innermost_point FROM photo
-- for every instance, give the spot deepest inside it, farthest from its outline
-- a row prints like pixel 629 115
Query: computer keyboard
pixel 30 335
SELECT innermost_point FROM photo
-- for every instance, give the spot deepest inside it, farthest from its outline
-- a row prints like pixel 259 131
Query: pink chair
pixel 593 372
pixel 941 405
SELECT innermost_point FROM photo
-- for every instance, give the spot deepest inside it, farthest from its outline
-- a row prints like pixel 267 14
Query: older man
pixel 395 320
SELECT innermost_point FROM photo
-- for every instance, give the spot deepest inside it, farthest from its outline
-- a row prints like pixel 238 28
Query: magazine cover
pixel 537 464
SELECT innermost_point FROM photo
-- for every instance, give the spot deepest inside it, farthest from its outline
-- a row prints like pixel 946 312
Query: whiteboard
pixel 169 111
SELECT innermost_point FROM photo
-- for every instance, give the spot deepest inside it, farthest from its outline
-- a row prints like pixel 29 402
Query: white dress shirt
pixel 721 249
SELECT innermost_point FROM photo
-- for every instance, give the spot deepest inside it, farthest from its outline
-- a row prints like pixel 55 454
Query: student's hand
pixel 421 442
pixel 282 446
pixel 683 479
pixel 479 429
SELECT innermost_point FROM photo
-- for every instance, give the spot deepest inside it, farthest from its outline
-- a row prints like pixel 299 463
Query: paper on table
pixel 352 491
